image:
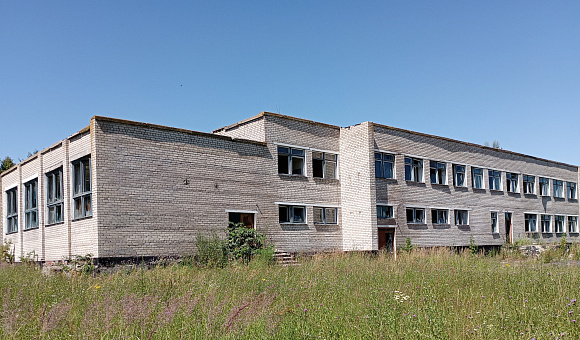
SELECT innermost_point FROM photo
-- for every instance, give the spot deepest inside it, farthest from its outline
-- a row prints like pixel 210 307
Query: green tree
pixel 7 163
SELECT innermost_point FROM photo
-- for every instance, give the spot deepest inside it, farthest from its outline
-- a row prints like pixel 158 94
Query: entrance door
pixel 246 218
pixel 386 238
pixel 508 227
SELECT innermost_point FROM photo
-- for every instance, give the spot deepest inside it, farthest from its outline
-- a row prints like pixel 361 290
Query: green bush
pixel 6 254
pixel 242 242
pixel 408 245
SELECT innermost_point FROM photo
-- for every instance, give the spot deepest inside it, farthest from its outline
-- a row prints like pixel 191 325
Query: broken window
pixel 459 175
pixel 325 215
pixel 461 217
pixel 438 172
pixel 415 215
pixel 494 180
pixel 290 161
pixel 494 226
pixel 546 223
pixel 558 188
pixel 559 224
pixel 512 182
pixel 82 188
pixel 529 184
pixel 54 201
pixel 324 165
pixel 544 186
pixel 573 224
pixel 477 178
pixel 247 219
pixel 11 211
pixel 385 211
pixel 30 204
pixel 440 216
pixel 384 165
pixel 413 169
pixel 571 190
pixel 530 224
pixel 292 214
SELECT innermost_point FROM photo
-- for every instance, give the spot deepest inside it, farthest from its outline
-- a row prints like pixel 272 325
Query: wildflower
pixel 97 287
pixel 305 309
pixel 263 279
pixel 574 320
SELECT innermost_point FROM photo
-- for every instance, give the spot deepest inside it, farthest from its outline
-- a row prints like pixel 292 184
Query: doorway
pixel 386 239
pixel 239 217
pixel 508 227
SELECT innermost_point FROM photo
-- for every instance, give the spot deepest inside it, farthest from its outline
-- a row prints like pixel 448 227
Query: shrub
pixel 6 254
pixel 80 264
pixel 408 246
pixel 211 251
pixel 243 243
pixel 473 247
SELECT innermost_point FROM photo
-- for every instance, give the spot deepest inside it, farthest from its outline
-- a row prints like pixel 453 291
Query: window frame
pixel 546 223
pixel 560 228
pixel 455 172
pixel 31 204
pixel 12 210
pixel 414 169
pixel 289 160
pixel 571 190
pixel 528 218
pixel 572 220
pixel 380 164
pixel 392 210
pixel 558 188
pixel 324 215
pixel 52 202
pixel 510 178
pixel 494 222
pixel 325 162
pixel 290 214
pixel 491 174
pixel 83 195
pixel 436 213
pixel 414 215
pixel 439 170
pixel 544 182
pixel 526 184
pixel 457 215
pixel 473 176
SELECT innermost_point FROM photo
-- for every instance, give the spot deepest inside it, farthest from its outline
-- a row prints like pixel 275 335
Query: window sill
pixel 545 196
pixel 460 186
pixel 82 218
pixel 28 229
pixel 55 223
pixel 439 185
pixel 320 224
pixel 462 225
pixel 416 223
pixel 441 224
pixel 495 190
pixel 322 179
pixel 12 232
pixel 387 179
pixel 292 175
pixel 478 189
pixel 293 223
pixel 530 194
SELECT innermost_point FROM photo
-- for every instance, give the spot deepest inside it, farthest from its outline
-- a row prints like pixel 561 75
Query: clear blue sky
pixel 470 70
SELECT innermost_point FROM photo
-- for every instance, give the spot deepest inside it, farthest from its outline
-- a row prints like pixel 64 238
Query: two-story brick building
pixel 122 189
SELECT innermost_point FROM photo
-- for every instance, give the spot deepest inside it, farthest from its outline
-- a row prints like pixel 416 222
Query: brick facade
pixel 155 188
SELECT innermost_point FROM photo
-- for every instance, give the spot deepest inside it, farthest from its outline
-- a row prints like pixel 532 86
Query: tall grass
pixel 422 294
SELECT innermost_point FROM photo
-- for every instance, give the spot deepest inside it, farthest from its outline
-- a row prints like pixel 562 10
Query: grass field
pixel 434 294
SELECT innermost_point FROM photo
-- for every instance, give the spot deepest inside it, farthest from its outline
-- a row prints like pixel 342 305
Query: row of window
pixel 385 165
pixel 82 193
pixel 531 223
pixel 291 162
pixel 297 214
pixel 417 215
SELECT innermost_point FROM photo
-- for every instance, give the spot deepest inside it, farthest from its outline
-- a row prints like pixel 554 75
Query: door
pixel 386 238
pixel 508 227
pixel 246 218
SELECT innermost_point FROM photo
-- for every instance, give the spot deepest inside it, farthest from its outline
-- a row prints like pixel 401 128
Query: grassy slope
pixel 439 295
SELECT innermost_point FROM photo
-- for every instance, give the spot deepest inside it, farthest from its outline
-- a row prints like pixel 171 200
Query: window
pixel 385 211
pixel 459 175
pixel 82 188
pixel 54 201
pixel 415 215
pixel 546 224
pixel 461 217
pixel 559 224
pixel 290 161
pixel 438 172
pixel 477 178
pixel 512 182
pixel 323 165
pixel 439 216
pixel 11 211
pixel 530 224
pixel 558 188
pixel 30 204
pixel 573 224
pixel 292 214
pixel 571 190
pixel 325 215
pixel 494 226
pixel 494 180
pixel 529 184
pixel 384 165
pixel 544 186
pixel 413 169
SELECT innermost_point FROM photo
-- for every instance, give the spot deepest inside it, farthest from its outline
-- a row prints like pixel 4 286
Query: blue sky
pixel 472 71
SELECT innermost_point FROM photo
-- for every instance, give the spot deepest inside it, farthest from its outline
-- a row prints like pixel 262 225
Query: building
pixel 121 189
